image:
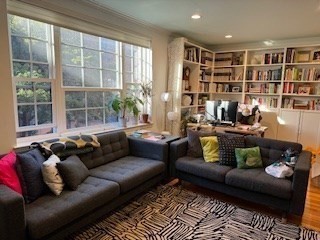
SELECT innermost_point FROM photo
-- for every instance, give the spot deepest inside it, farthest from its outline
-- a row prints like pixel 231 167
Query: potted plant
pixel 146 91
pixel 123 106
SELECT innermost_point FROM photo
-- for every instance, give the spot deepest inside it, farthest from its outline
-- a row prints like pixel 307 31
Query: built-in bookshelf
pixel 274 78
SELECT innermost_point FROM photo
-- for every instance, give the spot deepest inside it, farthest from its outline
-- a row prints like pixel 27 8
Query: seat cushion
pixel 258 180
pixel 198 167
pixel 129 171
pixel 51 212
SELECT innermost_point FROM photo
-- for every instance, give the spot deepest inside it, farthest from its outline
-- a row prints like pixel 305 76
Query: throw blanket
pixel 73 142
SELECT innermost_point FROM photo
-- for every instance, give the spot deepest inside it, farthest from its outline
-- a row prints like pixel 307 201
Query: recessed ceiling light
pixel 268 42
pixel 228 36
pixel 195 16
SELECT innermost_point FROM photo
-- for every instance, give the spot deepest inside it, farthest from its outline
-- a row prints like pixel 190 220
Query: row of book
pixel 206 58
pixel 205 75
pixel 223 59
pixel 263 88
pixel 204 87
pixel 264 75
pixel 291 52
pixel 273 58
pixel 291 103
pixel 223 74
pixel 302 74
pixel 191 54
pixel 220 88
pixel 268 102
pixel 288 88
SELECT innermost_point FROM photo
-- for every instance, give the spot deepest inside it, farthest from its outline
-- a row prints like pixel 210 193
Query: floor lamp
pixel 165 97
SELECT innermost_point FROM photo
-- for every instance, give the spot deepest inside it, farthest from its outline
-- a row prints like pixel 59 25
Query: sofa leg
pixel 284 217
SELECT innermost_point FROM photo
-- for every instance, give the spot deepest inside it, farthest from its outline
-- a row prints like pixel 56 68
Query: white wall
pixel 7 125
pixel 102 17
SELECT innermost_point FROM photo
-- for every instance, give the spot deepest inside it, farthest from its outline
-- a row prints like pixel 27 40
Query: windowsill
pixel 22 143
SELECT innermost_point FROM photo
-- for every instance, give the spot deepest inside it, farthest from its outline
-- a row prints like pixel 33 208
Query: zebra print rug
pixel 174 213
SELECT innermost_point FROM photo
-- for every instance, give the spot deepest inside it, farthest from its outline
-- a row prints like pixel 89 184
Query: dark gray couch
pixel 119 170
pixel 287 195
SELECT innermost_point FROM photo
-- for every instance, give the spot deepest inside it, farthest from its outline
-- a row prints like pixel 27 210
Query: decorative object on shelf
pixel 186 73
pixel 248 116
pixel 304 90
pixel 186 100
pixel 235 89
pixel 316 55
pixel 122 106
pixel 303 56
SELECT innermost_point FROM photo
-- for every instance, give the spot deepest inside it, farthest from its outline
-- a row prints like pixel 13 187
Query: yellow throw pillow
pixel 210 148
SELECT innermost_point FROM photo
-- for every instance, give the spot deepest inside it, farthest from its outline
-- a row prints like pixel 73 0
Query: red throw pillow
pixel 8 174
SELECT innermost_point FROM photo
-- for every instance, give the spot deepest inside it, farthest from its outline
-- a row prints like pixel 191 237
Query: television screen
pixel 222 111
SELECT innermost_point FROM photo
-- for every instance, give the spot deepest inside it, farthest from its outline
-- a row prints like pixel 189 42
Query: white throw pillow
pixel 51 175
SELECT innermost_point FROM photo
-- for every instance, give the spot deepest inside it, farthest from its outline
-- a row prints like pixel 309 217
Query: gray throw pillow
pixel 73 171
pixel 29 166
pixel 194 145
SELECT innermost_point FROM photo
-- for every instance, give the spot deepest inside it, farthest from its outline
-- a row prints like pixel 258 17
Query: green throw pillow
pixel 248 157
pixel 210 148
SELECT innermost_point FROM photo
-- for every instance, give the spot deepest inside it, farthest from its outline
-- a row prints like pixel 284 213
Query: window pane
pixel 71 55
pixel 90 41
pixel 25 92
pixel 18 26
pixel 95 117
pixel 127 77
pixel 91 58
pixel 76 119
pixel 38 30
pixel 43 92
pixel 127 64
pixel 70 37
pixel 44 113
pixel 108 45
pixel 39 51
pixel 75 100
pixel 34 132
pixel 21 69
pixel 94 99
pixel 40 71
pixel 127 50
pixel 109 61
pixel 20 48
pixel 110 115
pixel 71 76
pixel 110 79
pixel 136 52
pixel 26 115
pixel 91 77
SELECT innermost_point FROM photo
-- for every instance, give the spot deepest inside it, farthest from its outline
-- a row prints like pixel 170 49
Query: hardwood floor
pixel 310 218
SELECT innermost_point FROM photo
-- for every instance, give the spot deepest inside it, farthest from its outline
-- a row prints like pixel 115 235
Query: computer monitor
pixel 222 111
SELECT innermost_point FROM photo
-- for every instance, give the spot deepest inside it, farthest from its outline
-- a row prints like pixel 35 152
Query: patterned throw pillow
pixel 51 175
pixel 194 145
pixel 248 157
pixel 210 148
pixel 227 145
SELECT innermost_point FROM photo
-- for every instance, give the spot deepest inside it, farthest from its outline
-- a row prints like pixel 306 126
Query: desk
pixel 239 129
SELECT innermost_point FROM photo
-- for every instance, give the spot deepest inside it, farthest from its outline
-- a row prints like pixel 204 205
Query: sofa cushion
pixel 257 180
pixel 73 171
pixel 8 173
pixel 227 145
pixel 198 167
pixel 113 145
pixel 248 157
pixel 29 171
pixel 194 145
pixel 51 174
pixel 210 148
pixel 129 171
pixel 48 213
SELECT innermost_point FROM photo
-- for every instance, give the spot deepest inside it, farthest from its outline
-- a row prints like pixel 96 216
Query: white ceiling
pixel 246 20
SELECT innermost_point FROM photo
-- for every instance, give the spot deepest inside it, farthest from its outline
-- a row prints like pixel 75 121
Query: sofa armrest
pixel 177 149
pixel 300 182
pixel 12 215
pixel 149 149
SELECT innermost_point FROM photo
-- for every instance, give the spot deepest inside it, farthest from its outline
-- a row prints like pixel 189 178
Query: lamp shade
pixel 165 96
pixel 172 116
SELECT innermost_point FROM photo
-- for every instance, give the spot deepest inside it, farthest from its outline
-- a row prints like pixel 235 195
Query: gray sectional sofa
pixel 119 169
pixel 255 185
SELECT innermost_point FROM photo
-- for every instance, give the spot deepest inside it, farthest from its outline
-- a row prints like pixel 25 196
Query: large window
pixel 89 72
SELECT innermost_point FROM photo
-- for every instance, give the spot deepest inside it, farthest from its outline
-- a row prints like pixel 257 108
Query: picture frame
pixel 316 55
pixel 304 90
pixel 303 56
pixel 235 89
